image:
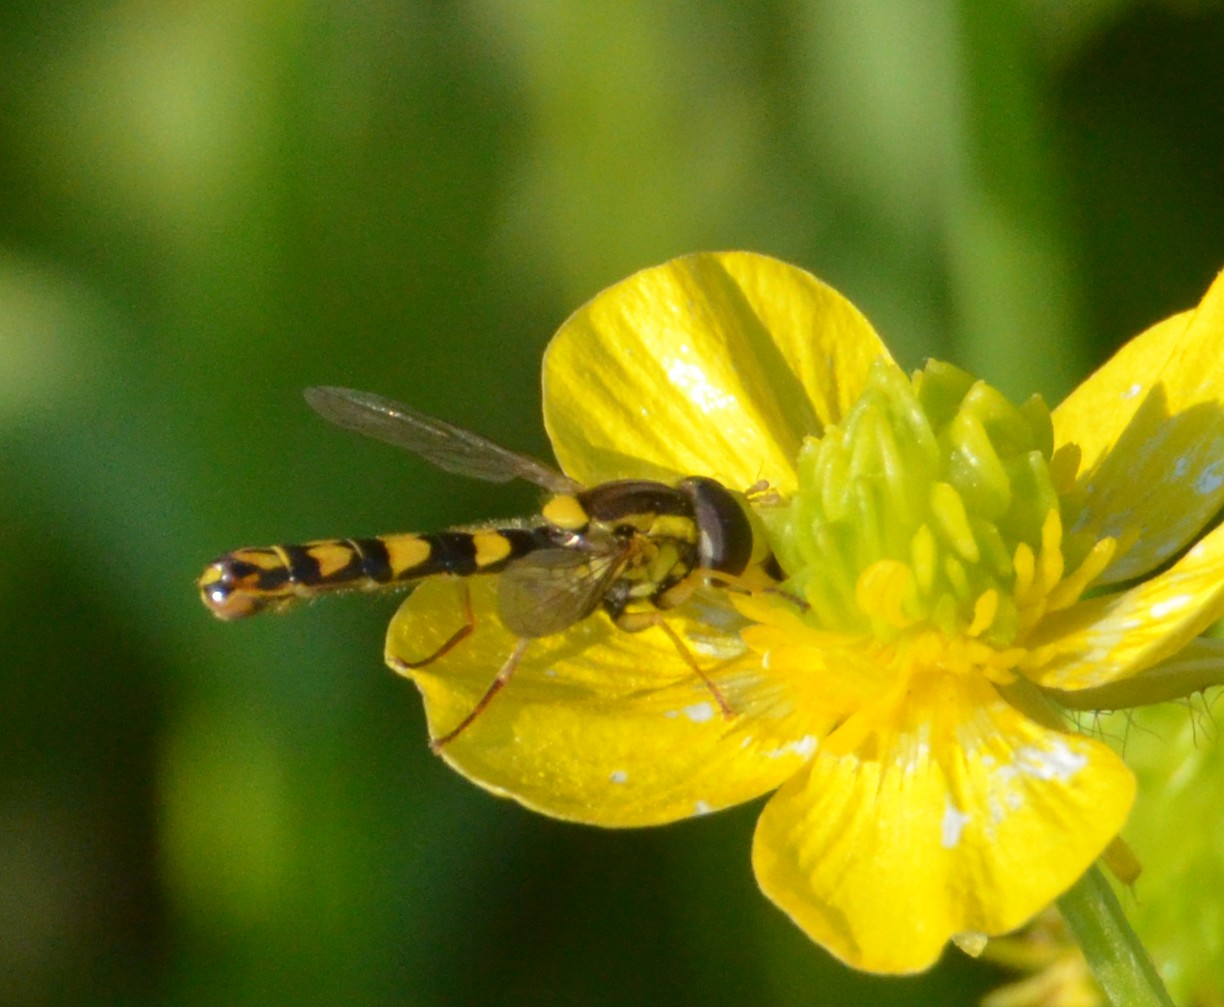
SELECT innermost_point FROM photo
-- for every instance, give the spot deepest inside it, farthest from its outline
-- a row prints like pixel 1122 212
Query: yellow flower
pixel 902 692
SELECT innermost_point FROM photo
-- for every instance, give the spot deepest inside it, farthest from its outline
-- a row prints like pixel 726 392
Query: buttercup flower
pixel 958 570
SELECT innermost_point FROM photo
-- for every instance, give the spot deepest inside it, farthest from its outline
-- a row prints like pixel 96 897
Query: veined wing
pixel 546 592
pixel 443 444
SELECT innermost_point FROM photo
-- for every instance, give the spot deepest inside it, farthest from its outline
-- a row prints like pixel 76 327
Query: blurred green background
pixel 205 207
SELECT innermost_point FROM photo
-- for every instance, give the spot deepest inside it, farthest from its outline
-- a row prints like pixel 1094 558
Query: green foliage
pixel 1175 831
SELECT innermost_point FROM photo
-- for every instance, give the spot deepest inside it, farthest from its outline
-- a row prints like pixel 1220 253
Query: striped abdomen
pixel 247 581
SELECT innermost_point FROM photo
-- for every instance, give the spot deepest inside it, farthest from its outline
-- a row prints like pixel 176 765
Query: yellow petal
pixel 1150 424
pixel 712 364
pixel 1111 637
pixel 970 819
pixel 600 725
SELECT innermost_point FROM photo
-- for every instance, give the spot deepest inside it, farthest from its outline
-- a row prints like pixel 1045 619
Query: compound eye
pixel 724 529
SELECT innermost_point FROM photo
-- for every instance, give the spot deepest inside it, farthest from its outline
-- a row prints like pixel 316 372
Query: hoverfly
pixel 633 547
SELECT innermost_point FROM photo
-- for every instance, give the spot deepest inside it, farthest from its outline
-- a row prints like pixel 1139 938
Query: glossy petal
pixel 599 725
pixel 1150 424
pixel 970 819
pixel 712 364
pixel 1111 637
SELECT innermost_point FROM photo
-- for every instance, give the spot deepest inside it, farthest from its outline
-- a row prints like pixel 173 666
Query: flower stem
pixel 1115 955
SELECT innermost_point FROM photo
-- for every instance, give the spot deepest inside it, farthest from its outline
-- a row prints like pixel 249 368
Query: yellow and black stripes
pixel 250 580
pixel 634 548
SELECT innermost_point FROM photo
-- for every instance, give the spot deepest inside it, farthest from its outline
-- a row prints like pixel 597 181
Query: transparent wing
pixel 440 443
pixel 548 591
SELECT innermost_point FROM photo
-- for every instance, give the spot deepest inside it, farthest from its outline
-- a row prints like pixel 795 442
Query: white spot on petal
pixel 1058 762
pixel 1210 479
pixel 953 824
pixel 618 776
pixel 719 648
pixel 1132 391
pixel 1163 608
pixel 699 713
pixel 802 747
pixel 701 808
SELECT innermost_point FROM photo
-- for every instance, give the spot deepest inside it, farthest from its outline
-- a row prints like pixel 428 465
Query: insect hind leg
pixel 503 676
pixel 456 638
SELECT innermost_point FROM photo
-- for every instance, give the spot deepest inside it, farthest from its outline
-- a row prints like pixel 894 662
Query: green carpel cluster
pixel 912 509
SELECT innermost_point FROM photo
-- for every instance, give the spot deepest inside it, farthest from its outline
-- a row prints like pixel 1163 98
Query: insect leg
pixel 461 634
pixel 687 655
pixel 789 596
pixel 636 621
pixel 502 677
pixel 741 584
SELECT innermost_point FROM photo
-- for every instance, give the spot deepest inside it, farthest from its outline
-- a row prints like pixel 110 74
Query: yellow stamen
pixel 1069 589
pixel 1050 561
pixel 984 611
pixel 886 590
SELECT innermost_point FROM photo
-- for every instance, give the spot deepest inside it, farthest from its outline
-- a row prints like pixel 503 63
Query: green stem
pixel 1114 953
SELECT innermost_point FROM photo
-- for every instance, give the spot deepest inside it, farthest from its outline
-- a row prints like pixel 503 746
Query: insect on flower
pixel 954 574
pixel 631 547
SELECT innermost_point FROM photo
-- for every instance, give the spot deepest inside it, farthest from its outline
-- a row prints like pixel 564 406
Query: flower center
pixel 935 506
